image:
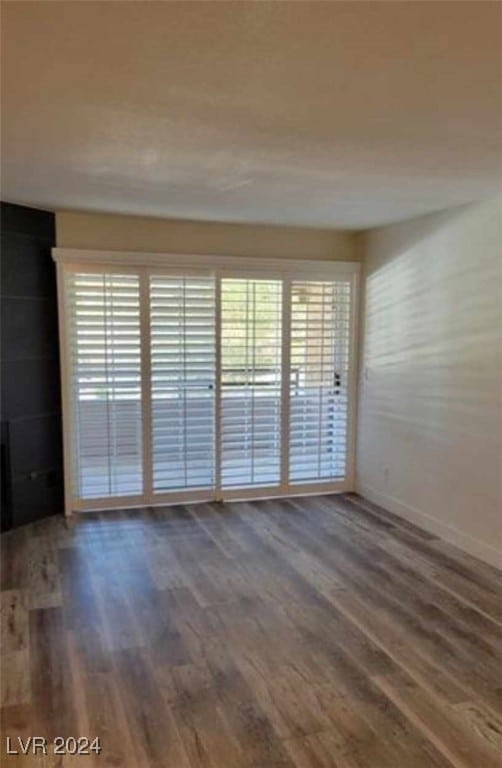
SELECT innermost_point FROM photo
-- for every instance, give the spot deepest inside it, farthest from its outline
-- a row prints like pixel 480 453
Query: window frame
pixel 144 264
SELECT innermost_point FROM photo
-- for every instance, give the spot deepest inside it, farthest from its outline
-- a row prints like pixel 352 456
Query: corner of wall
pixel 429 415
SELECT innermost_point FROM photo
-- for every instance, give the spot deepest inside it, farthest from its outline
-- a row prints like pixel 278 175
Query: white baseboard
pixel 450 533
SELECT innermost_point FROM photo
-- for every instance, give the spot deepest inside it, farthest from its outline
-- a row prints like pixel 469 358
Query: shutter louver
pixel 320 335
pixel 105 383
pixel 182 332
pixel 250 382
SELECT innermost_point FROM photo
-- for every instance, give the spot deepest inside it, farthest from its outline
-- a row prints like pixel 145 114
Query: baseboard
pixel 450 533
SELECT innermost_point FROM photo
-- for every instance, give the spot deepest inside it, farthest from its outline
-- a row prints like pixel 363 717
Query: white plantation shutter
pixel 320 336
pixel 182 332
pixel 105 382
pixel 190 383
pixel 250 382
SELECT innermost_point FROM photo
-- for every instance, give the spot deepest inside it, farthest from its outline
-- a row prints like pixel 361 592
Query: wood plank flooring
pixel 318 632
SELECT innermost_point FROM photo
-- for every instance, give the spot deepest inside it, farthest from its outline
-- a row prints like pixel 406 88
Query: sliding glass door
pixel 182 386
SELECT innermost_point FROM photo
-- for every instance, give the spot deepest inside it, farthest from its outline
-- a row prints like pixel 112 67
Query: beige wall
pixel 430 407
pixel 135 233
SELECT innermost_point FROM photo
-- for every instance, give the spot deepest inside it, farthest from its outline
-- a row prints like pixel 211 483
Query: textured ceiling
pixel 332 114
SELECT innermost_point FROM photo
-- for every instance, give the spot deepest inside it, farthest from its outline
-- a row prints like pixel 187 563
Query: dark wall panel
pixel 31 411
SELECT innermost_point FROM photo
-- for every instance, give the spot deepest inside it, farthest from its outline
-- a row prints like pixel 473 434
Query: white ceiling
pixel 332 114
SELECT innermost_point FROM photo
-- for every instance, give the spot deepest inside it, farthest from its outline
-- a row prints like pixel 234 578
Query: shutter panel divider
pixel 146 384
pixel 285 381
pixel 217 384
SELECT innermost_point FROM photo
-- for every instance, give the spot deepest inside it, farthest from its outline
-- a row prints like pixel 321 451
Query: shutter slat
pixel 251 380
pixel 182 332
pixel 320 327
pixel 105 375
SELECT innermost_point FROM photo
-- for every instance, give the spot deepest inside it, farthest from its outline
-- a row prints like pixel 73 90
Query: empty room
pixel 251 384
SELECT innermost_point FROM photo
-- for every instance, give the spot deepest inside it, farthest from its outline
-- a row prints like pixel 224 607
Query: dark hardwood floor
pixel 310 633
